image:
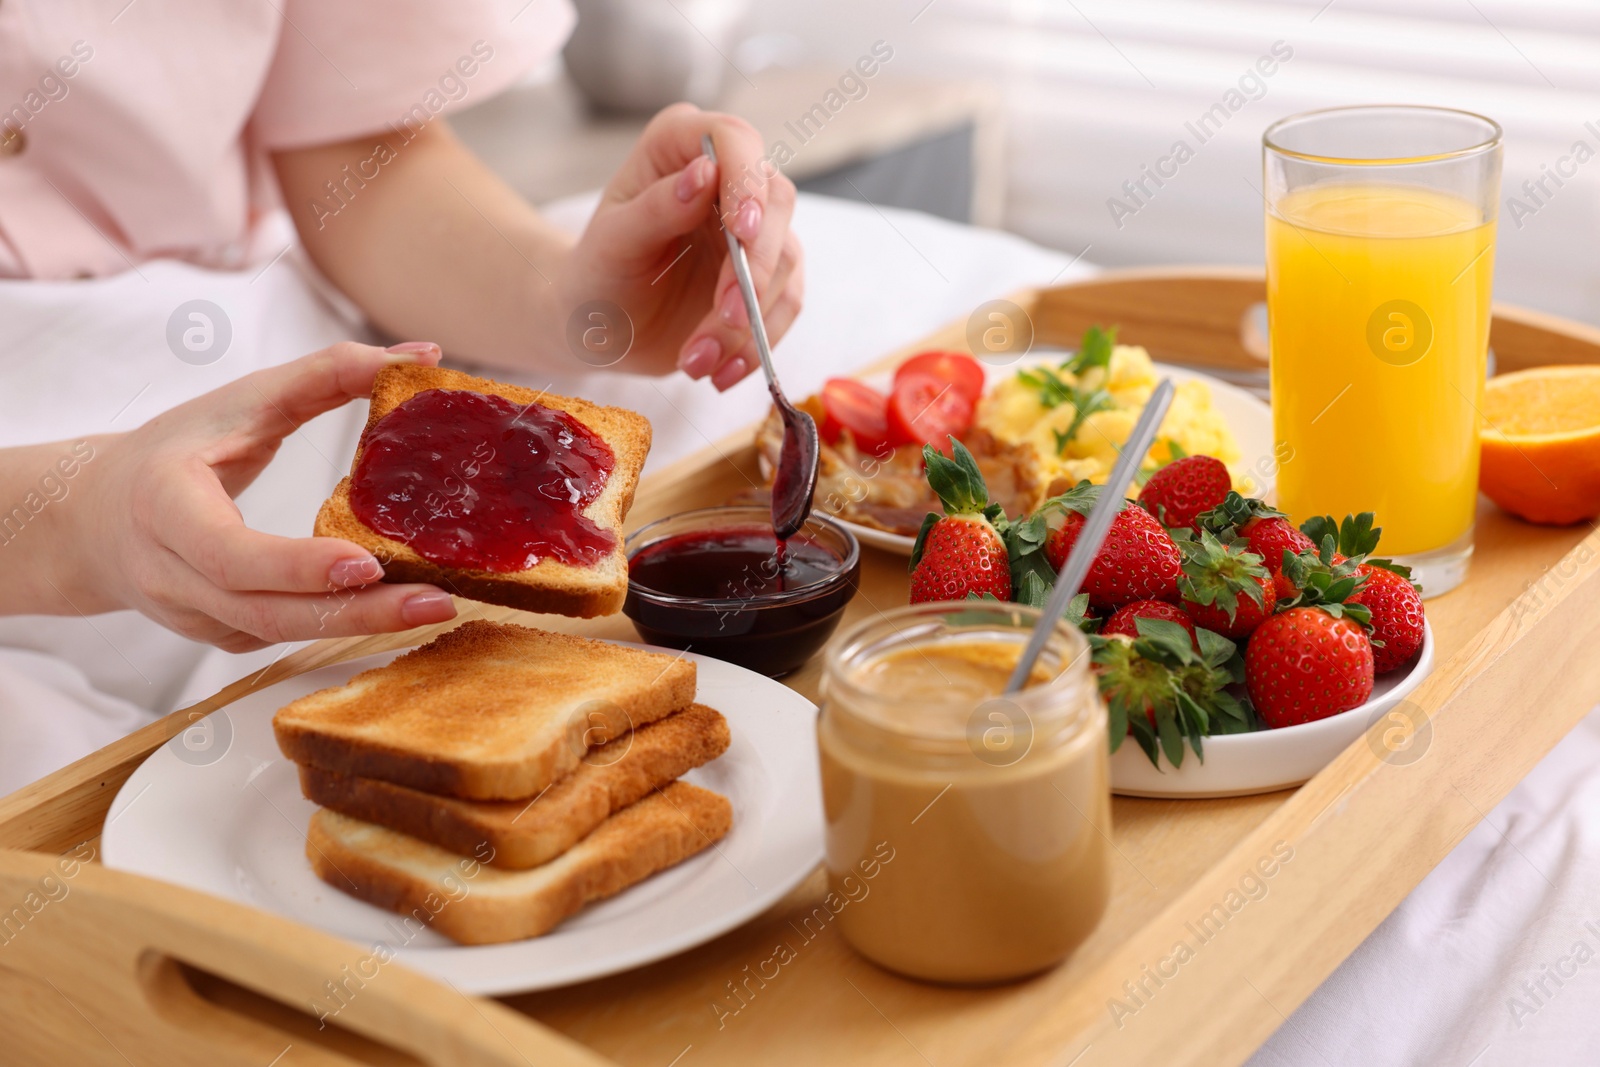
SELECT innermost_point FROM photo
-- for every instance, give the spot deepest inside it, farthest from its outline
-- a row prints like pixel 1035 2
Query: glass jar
pixel 968 833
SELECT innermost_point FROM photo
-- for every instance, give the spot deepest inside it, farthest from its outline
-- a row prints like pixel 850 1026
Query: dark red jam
pixel 741 561
pixel 483 483
pixel 739 594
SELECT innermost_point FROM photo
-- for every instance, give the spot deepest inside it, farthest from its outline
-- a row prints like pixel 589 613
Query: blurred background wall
pixel 1042 116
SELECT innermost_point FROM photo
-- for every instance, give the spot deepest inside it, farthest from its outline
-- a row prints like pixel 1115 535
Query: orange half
pixel 1541 443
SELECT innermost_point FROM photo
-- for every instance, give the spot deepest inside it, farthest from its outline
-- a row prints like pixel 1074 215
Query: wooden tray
pixel 1267 893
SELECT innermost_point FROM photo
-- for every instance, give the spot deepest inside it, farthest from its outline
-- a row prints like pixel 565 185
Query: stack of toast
pixel 496 780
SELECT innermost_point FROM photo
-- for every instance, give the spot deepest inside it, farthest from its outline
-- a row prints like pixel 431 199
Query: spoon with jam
pixel 795 482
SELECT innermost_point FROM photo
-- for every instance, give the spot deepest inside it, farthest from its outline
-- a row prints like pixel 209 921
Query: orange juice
pixel 1378 310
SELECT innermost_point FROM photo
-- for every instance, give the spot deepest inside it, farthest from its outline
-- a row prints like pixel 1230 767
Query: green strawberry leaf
pixel 1234 511
pixel 1116 723
pixel 1358 613
pixel 1077 614
pixel 1030 589
pixel 956 479
pixel 1194 721
pixel 1233 717
pixel 1140 730
pixel 1324 583
pixel 1171 738
pixel 1030 567
pixel 1215 573
pixel 1215 650
pixel 1029 534
pixel 1080 498
pixel 1187 691
pixel 1168 637
pixel 1320 526
pixel 1355 536
pixel 928 522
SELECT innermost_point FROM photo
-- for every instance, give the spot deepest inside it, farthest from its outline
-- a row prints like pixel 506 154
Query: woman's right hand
pixel 156 529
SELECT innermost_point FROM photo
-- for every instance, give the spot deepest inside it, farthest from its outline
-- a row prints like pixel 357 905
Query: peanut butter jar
pixel 986 819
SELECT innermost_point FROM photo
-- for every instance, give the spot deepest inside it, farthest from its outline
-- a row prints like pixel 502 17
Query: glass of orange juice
pixel 1380 254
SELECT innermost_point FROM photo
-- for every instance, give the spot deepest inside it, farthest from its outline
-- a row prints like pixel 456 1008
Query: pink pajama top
pixel 136 129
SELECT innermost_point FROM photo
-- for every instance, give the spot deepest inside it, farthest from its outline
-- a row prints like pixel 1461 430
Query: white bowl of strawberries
pixel 1236 653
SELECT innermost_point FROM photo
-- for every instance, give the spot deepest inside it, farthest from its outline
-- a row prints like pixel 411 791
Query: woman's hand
pixel 155 527
pixel 441 247
pixel 655 248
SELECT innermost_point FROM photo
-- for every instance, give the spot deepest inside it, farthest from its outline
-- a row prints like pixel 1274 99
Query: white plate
pixel 1247 416
pixel 1241 764
pixel 227 817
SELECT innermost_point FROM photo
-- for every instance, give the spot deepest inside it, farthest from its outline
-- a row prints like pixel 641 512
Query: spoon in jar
pixel 1112 498
pixel 795 482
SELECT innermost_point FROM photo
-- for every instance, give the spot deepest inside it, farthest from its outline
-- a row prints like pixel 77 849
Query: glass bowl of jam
pixel 718 581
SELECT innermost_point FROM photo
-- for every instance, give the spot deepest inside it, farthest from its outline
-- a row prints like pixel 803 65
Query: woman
pixel 149 157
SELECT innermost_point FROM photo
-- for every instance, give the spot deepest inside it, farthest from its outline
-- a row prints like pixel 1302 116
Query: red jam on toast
pixel 483 483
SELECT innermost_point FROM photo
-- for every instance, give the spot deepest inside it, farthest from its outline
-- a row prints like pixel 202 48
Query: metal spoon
pixel 1095 527
pixel 795 482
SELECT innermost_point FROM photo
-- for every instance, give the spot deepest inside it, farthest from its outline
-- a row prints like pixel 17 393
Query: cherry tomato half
pixel 924 409
pixel 849 405
pixel 957 368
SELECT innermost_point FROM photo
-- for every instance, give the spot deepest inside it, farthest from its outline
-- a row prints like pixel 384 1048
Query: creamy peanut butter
pixel 997 809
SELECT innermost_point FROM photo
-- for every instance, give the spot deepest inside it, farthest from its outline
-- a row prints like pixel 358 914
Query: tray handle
pixel 112 968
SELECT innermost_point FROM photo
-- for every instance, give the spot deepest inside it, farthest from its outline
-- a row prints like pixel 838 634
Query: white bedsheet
pixel 1494 960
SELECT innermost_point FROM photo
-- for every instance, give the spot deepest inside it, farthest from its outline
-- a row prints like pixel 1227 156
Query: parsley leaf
pixel 1085 404
pixel 1094 350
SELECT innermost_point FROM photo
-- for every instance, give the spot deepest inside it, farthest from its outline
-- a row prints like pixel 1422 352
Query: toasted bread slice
pixel 525 833
pixel 487 711
pixel 479 905
pixel 550 585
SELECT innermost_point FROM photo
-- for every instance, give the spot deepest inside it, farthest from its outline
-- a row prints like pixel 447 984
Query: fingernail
pixel 409 348
pixel 694 178
pixel 729 373
pixel 353 571
pixel 700 357
pixel 419 609
pixel 747 224
pixel 732 309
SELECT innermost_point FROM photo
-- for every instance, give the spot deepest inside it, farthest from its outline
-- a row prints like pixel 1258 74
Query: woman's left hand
pixel 655 249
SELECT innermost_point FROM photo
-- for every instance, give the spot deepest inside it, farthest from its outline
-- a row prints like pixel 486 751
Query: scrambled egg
pixel 1029 408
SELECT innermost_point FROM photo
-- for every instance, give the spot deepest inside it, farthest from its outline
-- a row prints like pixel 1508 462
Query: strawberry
pixel 1306 664
pixel 1224 587
pixel 1138 559
pixel 1124 621
pixel 1397 617
pixel 1160 689
pixel 1271 536
pixel 1390 595
pixel 1180 492
pixel 1265 530
pixel 959 554
pixel 1314 657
